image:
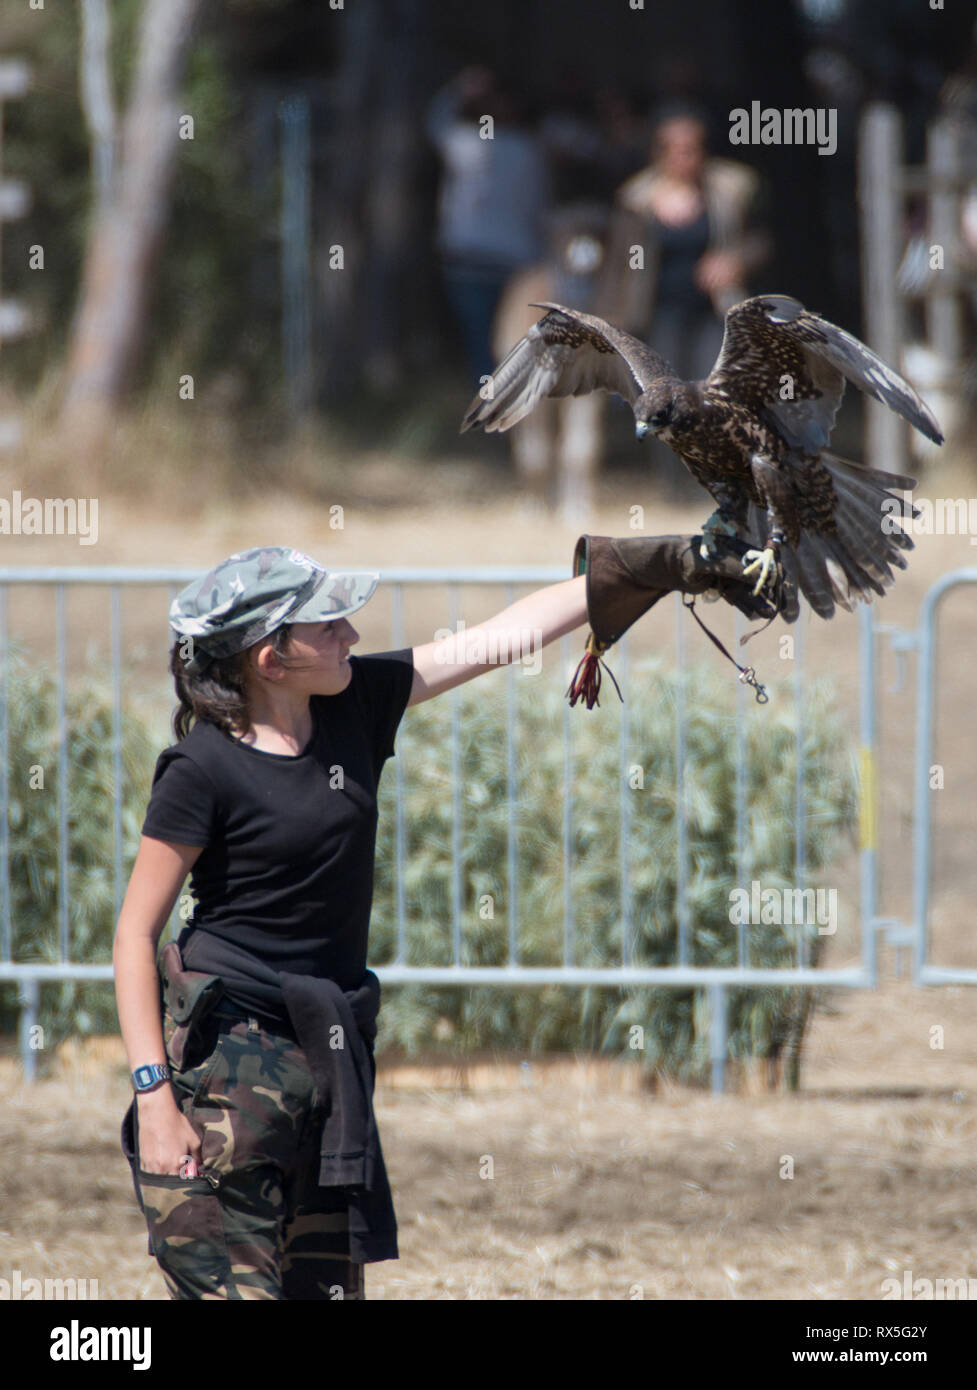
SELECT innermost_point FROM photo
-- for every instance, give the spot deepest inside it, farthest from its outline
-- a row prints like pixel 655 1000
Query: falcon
pixel 754 433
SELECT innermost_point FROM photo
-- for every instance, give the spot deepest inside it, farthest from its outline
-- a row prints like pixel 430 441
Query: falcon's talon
pixel 765 560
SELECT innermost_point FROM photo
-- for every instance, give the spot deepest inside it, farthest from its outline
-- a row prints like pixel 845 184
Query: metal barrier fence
pixel 715 979
pixel 924 971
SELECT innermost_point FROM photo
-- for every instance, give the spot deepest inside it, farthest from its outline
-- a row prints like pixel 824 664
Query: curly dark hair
pixel 217 695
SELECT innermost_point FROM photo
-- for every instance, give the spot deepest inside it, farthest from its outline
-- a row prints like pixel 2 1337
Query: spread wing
pixel 567 353
pixel 791 365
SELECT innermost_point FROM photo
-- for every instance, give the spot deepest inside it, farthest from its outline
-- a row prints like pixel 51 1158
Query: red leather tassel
pixel 587 677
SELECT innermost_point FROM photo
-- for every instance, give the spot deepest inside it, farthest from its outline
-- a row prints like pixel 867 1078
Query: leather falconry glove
pixel 627 576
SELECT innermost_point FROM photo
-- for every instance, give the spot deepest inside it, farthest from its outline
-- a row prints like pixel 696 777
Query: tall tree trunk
pixel 391 213
pixel 128 226
pixel 96 93
pixel 339 218
pixel 368 203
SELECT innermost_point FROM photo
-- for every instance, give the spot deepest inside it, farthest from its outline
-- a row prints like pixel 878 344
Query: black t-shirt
pixel 679 251
pixel 285 880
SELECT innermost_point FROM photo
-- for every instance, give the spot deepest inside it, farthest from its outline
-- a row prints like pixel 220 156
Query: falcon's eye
pixel 661 417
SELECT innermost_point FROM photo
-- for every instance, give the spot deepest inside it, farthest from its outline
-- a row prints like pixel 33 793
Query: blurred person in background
pixel 698 222
pixel 592 142
pixel 493 196
pixel 558 447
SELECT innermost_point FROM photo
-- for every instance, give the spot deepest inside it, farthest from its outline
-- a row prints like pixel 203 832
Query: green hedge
pixel 675 1021
pixel 33 820
pixel 462 1020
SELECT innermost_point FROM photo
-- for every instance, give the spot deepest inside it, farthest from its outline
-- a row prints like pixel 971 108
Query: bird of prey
pixel 754 433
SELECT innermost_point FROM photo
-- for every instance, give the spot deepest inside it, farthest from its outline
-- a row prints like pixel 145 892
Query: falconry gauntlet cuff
pixel 626 577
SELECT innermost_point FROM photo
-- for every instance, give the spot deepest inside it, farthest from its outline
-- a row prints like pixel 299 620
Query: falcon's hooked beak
pixel 641 429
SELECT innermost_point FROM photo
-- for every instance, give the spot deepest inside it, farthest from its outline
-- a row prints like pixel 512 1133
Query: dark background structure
pixel 369 71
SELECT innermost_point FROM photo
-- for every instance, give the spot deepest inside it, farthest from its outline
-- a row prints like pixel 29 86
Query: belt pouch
pixel 189 995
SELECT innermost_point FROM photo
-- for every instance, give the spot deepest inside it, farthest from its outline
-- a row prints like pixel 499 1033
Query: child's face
pixel 316 657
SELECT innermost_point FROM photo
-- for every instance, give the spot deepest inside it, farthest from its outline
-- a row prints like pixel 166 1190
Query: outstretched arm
pixel 519 631
pixel 619 580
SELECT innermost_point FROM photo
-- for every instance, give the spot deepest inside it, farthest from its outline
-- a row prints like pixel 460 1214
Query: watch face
pixel 146 1076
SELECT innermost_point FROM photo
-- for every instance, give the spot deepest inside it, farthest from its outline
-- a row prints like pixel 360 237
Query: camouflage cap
pixel 249 595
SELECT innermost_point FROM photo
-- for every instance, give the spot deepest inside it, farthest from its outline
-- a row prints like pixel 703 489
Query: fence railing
pixel 716 979
pixel 925 972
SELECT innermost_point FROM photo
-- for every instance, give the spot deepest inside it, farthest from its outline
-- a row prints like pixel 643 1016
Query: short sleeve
pixel 384 681
pixel 183 802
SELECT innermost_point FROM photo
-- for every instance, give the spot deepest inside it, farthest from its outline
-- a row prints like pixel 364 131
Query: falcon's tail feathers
pixel 856 560
pixel 864 473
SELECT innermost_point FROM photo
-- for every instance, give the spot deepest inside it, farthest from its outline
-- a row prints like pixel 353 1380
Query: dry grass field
pixel 600 1188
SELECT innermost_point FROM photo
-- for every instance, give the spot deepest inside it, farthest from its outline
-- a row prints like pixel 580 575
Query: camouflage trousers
pixel 255 1224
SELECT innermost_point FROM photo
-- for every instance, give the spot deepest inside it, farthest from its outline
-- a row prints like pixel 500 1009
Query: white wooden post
pixel 879 200
pixel 944 318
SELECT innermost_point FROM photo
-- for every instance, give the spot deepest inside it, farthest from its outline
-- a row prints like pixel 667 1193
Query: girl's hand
pixel 166 1136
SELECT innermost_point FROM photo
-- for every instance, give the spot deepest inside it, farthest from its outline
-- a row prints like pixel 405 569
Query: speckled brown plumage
pixel 754 433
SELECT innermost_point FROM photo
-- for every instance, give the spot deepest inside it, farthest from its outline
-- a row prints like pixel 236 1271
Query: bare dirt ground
pixel 600 1189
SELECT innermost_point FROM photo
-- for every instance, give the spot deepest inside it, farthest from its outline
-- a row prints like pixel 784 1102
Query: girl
pixel 251 1136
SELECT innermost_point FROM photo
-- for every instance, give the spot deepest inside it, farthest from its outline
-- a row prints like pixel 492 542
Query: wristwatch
pixel 148 1077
